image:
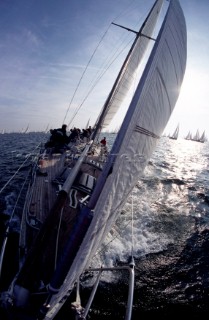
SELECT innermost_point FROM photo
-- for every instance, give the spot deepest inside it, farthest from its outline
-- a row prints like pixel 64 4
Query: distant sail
pixel 188 136
pixel 202 138
pixel 175 135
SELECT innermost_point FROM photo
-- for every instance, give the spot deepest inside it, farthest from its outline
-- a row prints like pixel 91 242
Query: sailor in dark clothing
pixel 84 135
pixel 74 135
pixel 61 134
pixel 58 139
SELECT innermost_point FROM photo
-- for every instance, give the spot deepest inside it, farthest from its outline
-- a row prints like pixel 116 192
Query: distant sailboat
pixel 25 130
pixel 47 129
pixel 198 137
pixel 188 136
pixel 203 137
pixel 87 125
pixel 174 136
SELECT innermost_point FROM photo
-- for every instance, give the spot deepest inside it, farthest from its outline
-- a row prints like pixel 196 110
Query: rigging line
pixel 29 155
pixel 79 82
pixel 100 73
pixel 84 73
pixel 98 78
pixel 108 60
pixel 96 82
pixel 126 11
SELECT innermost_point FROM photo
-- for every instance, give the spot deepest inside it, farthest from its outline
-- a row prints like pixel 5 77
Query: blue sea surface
pixel 164 224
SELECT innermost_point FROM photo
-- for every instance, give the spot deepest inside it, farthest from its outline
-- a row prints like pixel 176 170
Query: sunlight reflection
pixel 181 158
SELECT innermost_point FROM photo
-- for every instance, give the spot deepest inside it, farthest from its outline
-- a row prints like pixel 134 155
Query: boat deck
pixel 52 172
pixel 44 191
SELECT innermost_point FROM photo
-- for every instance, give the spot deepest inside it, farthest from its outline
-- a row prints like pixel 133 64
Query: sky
pixel 46 45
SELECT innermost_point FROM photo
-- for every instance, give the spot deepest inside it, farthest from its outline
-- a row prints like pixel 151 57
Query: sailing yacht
pixel 76 195
pixel 196 137
pixel 202 137
pixel 174 136
pixel 188 136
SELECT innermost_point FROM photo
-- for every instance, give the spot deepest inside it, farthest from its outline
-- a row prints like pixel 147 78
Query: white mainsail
pixel 146 118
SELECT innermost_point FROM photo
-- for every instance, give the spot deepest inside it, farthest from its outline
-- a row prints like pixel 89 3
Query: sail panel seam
pixel 146 132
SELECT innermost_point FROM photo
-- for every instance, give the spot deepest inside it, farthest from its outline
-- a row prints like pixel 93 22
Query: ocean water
pixel 164 225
